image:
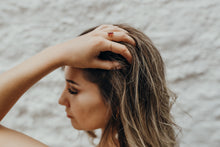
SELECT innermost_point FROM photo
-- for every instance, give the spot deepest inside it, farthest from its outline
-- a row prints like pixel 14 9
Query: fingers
pixel 115 29
pixel 118 49
pixel 120 36
pixel 109 28
pixel 117 34
pixel 108 65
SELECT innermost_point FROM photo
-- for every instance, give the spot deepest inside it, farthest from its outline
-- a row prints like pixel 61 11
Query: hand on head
pixel 83 51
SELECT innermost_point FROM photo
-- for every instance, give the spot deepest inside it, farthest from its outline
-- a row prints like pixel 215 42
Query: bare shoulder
pixel 12 138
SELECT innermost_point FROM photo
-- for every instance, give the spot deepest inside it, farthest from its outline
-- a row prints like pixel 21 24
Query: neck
pixel 112 141
pixel 110 144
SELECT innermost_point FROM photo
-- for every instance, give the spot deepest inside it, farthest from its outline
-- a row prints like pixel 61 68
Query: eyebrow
pixel 72 82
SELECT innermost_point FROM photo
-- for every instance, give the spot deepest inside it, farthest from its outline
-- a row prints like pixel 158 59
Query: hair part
pixel 137 95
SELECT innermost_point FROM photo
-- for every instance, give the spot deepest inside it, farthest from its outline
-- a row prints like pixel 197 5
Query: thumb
pixel 106 64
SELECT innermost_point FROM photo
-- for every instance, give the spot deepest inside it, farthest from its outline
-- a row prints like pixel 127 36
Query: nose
pixel 63 100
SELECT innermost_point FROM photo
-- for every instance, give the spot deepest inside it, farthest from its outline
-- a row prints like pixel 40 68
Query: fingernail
pixel 118 67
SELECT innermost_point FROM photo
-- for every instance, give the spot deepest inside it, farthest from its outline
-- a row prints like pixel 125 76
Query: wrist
pixel 64 53
pixel 55 57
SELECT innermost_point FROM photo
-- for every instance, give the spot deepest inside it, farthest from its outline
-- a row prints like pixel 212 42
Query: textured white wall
pixel 185 31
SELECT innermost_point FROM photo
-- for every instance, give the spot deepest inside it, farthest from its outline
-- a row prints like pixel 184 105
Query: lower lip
pixel 69 116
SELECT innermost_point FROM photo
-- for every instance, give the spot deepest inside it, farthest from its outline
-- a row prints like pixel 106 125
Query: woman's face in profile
pixel 83 101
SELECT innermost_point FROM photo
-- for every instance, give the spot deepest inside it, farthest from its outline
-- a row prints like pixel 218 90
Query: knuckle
pixel 103 26
pixel 96 33
pixel 99 41
pixel 123 49
pixel 124 36
pixel 109 67
pixel 116 28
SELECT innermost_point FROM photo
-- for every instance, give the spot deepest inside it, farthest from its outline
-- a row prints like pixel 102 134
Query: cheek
pixel 90 111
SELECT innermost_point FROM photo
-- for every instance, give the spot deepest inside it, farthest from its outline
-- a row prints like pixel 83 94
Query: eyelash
pixel 72 92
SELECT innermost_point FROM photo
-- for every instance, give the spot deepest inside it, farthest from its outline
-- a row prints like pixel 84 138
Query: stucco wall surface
pixel 185 31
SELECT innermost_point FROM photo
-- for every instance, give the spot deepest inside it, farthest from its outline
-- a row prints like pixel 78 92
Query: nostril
pixel 67 104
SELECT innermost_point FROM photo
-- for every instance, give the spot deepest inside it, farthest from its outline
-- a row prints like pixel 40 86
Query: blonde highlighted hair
pixel 137 95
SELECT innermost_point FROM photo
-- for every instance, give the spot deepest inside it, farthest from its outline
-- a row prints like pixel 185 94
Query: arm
pixel 16 81
pixel 81 52
pixel 11 138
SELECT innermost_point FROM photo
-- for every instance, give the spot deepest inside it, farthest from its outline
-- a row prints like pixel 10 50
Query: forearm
pixel 80 52
pixel 16 81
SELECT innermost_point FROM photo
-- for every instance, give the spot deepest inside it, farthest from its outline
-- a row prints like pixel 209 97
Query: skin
pixel 83 101
pixel 80 52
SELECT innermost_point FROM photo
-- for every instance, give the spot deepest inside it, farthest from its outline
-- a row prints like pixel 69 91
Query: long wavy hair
pixel 137 95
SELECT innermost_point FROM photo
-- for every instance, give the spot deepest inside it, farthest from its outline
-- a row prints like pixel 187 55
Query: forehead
pixel 76 75
pixel 71 72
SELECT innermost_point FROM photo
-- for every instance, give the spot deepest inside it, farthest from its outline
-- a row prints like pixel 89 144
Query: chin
pixel 83 128
pixel 80 128
pixel 76 126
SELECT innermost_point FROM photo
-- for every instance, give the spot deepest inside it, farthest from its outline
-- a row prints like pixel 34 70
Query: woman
pixel 114 81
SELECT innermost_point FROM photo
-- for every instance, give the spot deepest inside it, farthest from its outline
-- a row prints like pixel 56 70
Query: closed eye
pixel 72 92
